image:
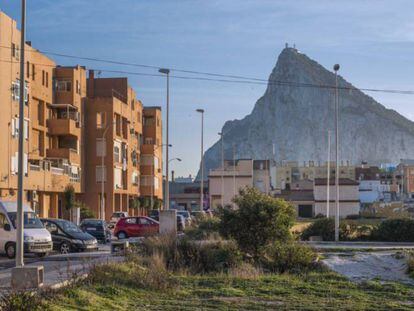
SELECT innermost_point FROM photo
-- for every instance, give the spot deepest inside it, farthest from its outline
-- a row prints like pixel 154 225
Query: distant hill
pixel 296 119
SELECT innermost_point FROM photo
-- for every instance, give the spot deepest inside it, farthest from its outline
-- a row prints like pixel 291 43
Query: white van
pixel 36 238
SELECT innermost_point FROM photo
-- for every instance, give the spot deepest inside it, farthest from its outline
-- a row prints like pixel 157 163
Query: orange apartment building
pixel 52 130
pixel 114 132
pixel 64 131
pixel 151 155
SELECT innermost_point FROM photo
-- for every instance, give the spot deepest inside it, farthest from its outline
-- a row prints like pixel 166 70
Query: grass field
pixel 313 291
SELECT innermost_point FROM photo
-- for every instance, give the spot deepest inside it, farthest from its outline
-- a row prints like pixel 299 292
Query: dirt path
pixel 361 266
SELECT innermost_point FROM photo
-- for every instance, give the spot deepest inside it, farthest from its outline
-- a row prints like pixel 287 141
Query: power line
pixel 231 78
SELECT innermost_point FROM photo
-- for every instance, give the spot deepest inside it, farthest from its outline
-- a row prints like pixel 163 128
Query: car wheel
pixel 64 248
pixel 11 250
pixel 122 235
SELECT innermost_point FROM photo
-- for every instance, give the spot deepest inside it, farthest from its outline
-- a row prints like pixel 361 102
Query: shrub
pixel 258 220
pixel 196 256
pixel 207 228
pixel 324 227
pixel 394 230
pixel 291 256
pixel 208 256
pixel 24 301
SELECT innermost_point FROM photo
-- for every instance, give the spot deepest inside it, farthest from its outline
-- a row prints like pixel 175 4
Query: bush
pixel 198 257
pixel 324 227
pixel 394 230
pixel 258 221
pixel 291 256
pixel 207 228
pixel 208 256
pixel 24 301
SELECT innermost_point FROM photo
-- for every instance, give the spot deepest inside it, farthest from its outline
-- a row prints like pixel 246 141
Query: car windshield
pixel 184 214
pixel 30 220
pixel 118 215
pixel 92 223
pixel 68 226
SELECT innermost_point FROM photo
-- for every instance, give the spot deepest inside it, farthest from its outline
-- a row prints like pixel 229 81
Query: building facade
pixel 349 203
pixel 151 155
pixel 53 136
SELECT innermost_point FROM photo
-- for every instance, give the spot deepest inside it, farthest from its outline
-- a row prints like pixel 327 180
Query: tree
pixel 69 197
pixel 85 212
pixel 258 221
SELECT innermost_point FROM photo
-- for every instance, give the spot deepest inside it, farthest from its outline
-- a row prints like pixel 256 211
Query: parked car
pixel 115 217
pixel 97 228
pixel 136 227
pixel 155 214
pixel 180 223
pixel 67 237
pixel 37 239
pixel 187 217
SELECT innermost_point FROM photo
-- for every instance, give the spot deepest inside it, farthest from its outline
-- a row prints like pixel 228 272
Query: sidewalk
pixel 60 268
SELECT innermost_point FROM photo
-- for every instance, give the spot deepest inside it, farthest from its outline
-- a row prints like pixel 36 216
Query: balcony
pixel 62 127
pixel 64 153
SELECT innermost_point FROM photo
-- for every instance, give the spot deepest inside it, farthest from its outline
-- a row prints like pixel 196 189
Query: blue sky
pixel 372 40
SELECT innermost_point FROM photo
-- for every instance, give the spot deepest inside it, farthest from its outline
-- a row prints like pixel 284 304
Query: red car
pixel 136 227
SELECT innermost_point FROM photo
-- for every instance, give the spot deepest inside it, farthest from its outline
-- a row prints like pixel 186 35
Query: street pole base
pixel 27 277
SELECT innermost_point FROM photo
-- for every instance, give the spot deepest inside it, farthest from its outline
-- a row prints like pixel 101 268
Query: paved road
pixel 360 245
pixel 59 268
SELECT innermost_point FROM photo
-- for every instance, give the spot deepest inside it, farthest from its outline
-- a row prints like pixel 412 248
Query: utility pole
pixel 328 174
pixel 202 160
pixel 20 212
pixel 222 168
pixel 167 179
pixel 336 68
pixel 234 172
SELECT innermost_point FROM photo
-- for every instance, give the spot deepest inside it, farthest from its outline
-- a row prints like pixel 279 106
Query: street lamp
pixel 336 68
pixel 202 159
pixel 167 186
pixel 103 170
pixel 222 168
pixel 153 175
pixel 178 159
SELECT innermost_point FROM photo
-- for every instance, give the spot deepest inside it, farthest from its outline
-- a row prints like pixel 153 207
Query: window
pixel 15 51
pixel 27 69
pixel 100 172
pixel 43 77
pixel 64 86
pixel 117 152
pixel 33 72
pixel 100 147
pixel 135 178
pixel 16 91
pixel 100 119
pixel 139 117
pixel 143 221
pixel 117 178
pixel 14 165
pixel 149 141
pixel 132 104
pixel 47 79
pixel 78 87
pixel 131 221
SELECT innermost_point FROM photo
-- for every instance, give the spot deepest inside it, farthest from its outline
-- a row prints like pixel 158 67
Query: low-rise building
pixel 349 203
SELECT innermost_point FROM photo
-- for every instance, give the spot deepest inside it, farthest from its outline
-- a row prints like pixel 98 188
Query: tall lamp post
pixel 201 111
pixel 167 142
pixel 20 215
pixel 336 68
pixel 103 170
pixel 153 175
pixel 222 168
